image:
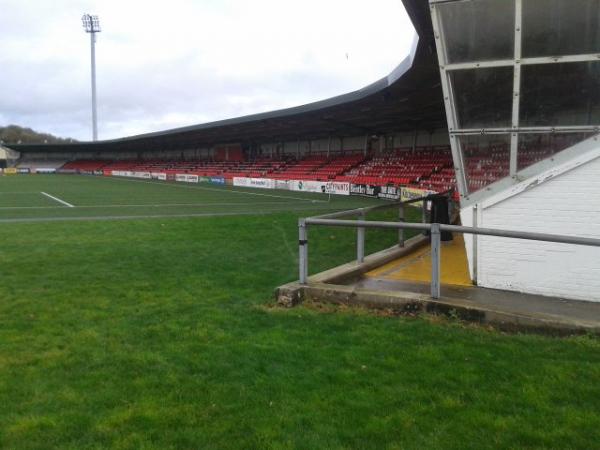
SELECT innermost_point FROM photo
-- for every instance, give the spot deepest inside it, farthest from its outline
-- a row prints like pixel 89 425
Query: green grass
pixel 160 333
pixel 21 198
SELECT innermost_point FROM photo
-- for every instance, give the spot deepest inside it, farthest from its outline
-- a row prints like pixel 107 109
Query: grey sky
pixel 168 64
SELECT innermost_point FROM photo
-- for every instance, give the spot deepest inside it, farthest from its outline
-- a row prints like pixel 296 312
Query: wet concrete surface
pixel 497 300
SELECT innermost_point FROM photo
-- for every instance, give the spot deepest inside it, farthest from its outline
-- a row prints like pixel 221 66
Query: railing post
pixel 475 243
pixel 303 251
pixel 401 230
pixel 436 244
pixel 360 240
pixel 424 212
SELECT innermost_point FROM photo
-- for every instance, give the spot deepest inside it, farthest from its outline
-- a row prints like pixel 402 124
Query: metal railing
pixel 435 230
pixel 360 214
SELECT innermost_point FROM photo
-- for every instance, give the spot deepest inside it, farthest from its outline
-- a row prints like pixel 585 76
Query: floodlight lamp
pixel 91 24
pixel 85 19
pixel 95 24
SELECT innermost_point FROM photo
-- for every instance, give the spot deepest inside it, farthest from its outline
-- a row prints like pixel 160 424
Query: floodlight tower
pixel 91 25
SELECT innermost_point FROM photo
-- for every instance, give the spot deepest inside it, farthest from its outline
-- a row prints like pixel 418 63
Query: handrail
pixel 544 237
pixel 392 205
pixel 435 230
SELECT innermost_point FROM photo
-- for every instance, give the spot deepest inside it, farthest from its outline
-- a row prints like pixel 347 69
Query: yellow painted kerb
pixel 417 265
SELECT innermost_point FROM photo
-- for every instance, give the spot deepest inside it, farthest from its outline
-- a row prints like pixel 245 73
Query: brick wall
pixel 566 203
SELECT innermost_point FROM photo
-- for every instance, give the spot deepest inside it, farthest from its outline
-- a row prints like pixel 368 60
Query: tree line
pixel 14 134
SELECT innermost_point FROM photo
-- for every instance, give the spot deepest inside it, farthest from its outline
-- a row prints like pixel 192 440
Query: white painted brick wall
pixel 567 204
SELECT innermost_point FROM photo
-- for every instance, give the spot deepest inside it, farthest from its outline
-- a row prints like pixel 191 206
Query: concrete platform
pixel 392 280
pixel 563 313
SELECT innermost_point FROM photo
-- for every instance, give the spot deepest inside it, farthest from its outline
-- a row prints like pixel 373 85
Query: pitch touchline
pixel 152 216
pixel 58 200
pixel 149 205
pixel 161 183
pixel 94 218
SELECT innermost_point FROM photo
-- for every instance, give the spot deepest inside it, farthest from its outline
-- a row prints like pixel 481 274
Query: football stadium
pixel 414 264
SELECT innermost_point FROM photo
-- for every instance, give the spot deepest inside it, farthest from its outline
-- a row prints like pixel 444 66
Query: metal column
pixel 475 243
pixel 401 230
pixel 514 137
pixel 436 244
pixel 303 251
pixel 94 111
pixel 360 240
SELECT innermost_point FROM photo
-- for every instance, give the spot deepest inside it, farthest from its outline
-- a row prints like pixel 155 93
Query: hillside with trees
pixel 14 134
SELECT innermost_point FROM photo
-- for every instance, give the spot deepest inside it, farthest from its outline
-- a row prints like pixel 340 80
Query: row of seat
pixel 85 164
pixel 428 169
pixel 403 166
pixel 400 167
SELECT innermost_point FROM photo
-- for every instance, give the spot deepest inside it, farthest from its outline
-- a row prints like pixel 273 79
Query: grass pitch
pixel 160 333
pixel 40 197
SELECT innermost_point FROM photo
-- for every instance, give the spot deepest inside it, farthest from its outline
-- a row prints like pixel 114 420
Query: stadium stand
pixel 539 147
pixel 426 167
pixel 303 169
pixel 441 181
pixel 257 168
pixel 429 168
pixel 85 165
pixel 401 167
pixel 337 167
pixel 37 164
pixel 490 163
pixel 319 168
pixel 484 165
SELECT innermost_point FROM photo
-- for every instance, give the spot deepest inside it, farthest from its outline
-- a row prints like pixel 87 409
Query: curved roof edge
pixel 359 94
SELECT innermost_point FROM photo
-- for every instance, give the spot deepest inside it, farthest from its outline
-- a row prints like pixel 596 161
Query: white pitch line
pixel 143 205
pixel 58 200
pixel 155 216
pixel 202 188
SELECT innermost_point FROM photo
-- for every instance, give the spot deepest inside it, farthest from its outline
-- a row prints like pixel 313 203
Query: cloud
pixel 168 64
